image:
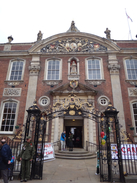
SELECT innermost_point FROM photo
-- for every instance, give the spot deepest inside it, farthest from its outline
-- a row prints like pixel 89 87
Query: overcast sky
pixel 24 18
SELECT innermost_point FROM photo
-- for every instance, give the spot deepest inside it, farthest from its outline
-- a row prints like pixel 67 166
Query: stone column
pixel 61 126
pixel 56 125
pixel 85 132
pixel 116 87
pixel 34 69
pixel 90 130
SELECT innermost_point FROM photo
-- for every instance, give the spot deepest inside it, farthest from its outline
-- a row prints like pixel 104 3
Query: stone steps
pixel 131 178
pixel 75 154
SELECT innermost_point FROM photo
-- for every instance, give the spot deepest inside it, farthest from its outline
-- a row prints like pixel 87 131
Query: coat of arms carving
pixel 73 45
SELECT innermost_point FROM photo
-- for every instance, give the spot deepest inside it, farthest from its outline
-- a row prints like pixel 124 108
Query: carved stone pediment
pixel 66 89
pixel 74 44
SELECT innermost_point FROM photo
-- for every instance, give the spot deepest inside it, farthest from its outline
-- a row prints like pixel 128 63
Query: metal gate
pixel 112 166
pixel 117 150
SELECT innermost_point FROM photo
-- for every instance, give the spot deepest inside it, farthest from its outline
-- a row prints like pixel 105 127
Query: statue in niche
pixel 39 36
pixel 107 32
pixel 73 68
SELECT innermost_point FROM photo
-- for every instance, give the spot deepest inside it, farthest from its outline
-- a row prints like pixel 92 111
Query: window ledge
pixel 13 83
pixel 6 133
pixel 95 82
pixel 132 82
pixel 52 82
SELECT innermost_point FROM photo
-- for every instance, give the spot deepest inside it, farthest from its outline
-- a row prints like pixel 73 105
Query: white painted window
pixel 16 70
pixel 131 67
pixel 8 116
pixel 94 69
pixel 53 70
pixel 134 107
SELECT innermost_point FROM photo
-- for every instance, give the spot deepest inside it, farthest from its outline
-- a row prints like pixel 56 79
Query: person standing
pixel 70 141
pixel 5 157
pixel 26 156
pixel 63 140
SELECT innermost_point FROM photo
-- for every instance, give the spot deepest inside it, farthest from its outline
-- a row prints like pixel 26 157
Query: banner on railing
pixel 48 151
pixel 128 151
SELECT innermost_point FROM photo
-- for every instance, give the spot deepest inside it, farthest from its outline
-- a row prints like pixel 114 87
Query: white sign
pixel 48 151
pixel 128 151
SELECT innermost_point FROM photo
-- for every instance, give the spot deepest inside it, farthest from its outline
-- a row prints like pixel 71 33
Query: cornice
pixel 105 42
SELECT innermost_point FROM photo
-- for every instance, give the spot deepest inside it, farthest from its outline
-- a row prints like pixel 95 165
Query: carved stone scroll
pixel 34 69
pixel 114 68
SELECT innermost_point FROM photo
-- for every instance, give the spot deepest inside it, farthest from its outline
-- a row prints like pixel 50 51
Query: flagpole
pixel 128 25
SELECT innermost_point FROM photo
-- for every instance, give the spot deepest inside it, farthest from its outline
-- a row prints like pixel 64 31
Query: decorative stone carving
pixel 114 68
pixel 132 92
pixel 132 82
pixel 73 84
pixel 39 36
pixel 107 32
pixel 34 69
pixel 13 83
pixel 12 92
pixel 73 45
pixel 73 68
pixel 95 82
pixel 73 77
pixel 52 82
pixel 7 47
pixel 73 28
pixel 10 39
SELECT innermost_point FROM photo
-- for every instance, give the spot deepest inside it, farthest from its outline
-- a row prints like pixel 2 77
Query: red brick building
pixel 95 69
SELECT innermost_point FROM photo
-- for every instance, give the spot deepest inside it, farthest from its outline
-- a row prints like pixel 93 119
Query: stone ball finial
pixel 10 39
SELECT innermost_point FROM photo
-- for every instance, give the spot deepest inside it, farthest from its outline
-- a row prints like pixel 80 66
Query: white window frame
pixel 101 68
pixel 10 69
pixel 132 115
pixel 1 115
pixel 125 66
pixel 46 69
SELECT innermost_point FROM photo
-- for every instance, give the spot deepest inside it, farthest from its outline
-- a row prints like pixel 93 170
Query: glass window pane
pixel 131 68
pixel 94 69
pixel 16 70
pixel 53 70
pixel 9 115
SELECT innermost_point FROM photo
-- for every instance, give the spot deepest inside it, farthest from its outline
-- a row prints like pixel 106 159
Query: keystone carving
pixel 114 68
pixel 34 69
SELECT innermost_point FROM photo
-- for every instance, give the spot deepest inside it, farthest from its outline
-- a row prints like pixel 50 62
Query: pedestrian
pixel 70 141
pixel 5 157
pixel 26 156
pixel 63 140
pixel 11 167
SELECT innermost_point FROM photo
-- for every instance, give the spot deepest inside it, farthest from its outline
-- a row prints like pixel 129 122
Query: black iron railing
pixel 129 157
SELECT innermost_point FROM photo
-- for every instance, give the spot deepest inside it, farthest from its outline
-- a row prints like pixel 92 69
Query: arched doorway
pixel 75 126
